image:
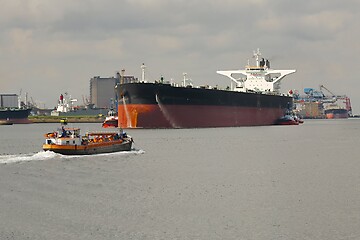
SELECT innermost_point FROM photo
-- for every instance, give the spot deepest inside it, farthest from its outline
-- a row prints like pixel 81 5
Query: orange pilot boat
pixel 69 141
pixel 111 120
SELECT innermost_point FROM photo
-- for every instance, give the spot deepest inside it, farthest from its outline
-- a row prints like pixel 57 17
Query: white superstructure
pixel 258 78
pixel 65 104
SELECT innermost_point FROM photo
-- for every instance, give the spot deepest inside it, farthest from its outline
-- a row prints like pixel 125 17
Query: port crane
pixel 323 87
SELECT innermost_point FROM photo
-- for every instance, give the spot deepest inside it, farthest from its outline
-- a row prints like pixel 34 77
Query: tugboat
pixel 290 118
pixel 287 120
pixel 111 121
pixel 69 141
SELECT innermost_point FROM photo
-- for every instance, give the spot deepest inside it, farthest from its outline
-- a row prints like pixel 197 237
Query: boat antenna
pixel 257 55
pixel 143 72
pixel 184 81
pixel 122 76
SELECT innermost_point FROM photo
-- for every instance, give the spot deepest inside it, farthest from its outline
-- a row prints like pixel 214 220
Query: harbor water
pixel 271 182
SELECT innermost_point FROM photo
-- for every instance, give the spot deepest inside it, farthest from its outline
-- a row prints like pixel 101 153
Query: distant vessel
pixel 69 141
pixel 15 115
pixel 253 99
pixel 335 111
pixel 65 107
pixel 12 111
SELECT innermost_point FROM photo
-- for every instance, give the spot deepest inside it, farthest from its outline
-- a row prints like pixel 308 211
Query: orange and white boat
pixel 69 141
pixel 111 121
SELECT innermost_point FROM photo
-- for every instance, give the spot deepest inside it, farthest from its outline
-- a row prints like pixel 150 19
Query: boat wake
pixel 46 155
pixel 16 158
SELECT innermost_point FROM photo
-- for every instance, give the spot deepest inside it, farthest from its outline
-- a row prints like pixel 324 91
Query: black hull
pixel 151 93
pixel 150 105
pixel 15 115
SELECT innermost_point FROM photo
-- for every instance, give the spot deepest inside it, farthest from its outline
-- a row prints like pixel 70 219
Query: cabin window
pixel 48 141
pixel 74 142
pixel 67 142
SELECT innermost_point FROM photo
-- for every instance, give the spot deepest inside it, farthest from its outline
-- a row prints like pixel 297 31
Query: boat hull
pixel 110 123
pixel 96 148
pixel 15 116
pixel 336 113
pixel 147 105
pixel 287 121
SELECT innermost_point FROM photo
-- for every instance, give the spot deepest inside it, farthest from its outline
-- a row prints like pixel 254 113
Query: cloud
pixel 59 41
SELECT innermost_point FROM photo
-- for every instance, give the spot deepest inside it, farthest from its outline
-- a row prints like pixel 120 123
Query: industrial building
pixel 102 90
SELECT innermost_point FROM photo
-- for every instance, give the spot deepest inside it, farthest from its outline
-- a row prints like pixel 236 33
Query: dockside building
pixel 102 90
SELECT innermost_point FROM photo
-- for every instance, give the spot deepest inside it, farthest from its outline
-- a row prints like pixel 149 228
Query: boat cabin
pixel 64 136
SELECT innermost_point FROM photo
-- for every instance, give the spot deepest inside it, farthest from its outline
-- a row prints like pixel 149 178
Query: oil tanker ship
pixel 253 99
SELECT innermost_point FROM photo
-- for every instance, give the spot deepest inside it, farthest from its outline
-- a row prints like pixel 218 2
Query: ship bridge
pixel 258 78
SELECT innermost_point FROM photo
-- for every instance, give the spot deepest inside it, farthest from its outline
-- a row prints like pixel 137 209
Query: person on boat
pixel 63 134
pixel 124 135
pixel 117 136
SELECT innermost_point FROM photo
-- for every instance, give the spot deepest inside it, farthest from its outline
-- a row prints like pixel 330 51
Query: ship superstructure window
pixel 67 142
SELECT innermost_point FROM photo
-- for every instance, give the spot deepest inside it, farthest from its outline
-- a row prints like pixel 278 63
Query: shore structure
pixel 322 103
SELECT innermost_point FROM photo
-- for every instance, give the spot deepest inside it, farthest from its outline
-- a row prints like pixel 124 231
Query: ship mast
pixel 184 79
pixel 143 72
pixel 256 56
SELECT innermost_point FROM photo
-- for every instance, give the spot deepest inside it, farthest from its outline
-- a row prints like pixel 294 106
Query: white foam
pixel 27 157
pixel 122 153
pixel 45 155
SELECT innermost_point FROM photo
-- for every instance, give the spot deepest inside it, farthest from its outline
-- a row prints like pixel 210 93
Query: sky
pixel 49 47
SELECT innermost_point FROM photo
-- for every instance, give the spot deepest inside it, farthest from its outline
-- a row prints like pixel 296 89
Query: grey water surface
pixel 271 182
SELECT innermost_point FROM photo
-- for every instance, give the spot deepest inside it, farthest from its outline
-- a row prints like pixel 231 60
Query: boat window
pixel 67 142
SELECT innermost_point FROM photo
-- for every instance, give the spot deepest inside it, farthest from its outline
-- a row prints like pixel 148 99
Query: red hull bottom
pixel 18 120
pixel 110 124
pixel 288 123
pixel 185 116
pixel 336 116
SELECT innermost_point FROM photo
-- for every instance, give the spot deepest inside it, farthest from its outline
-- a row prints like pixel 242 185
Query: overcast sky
pixel 49 47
